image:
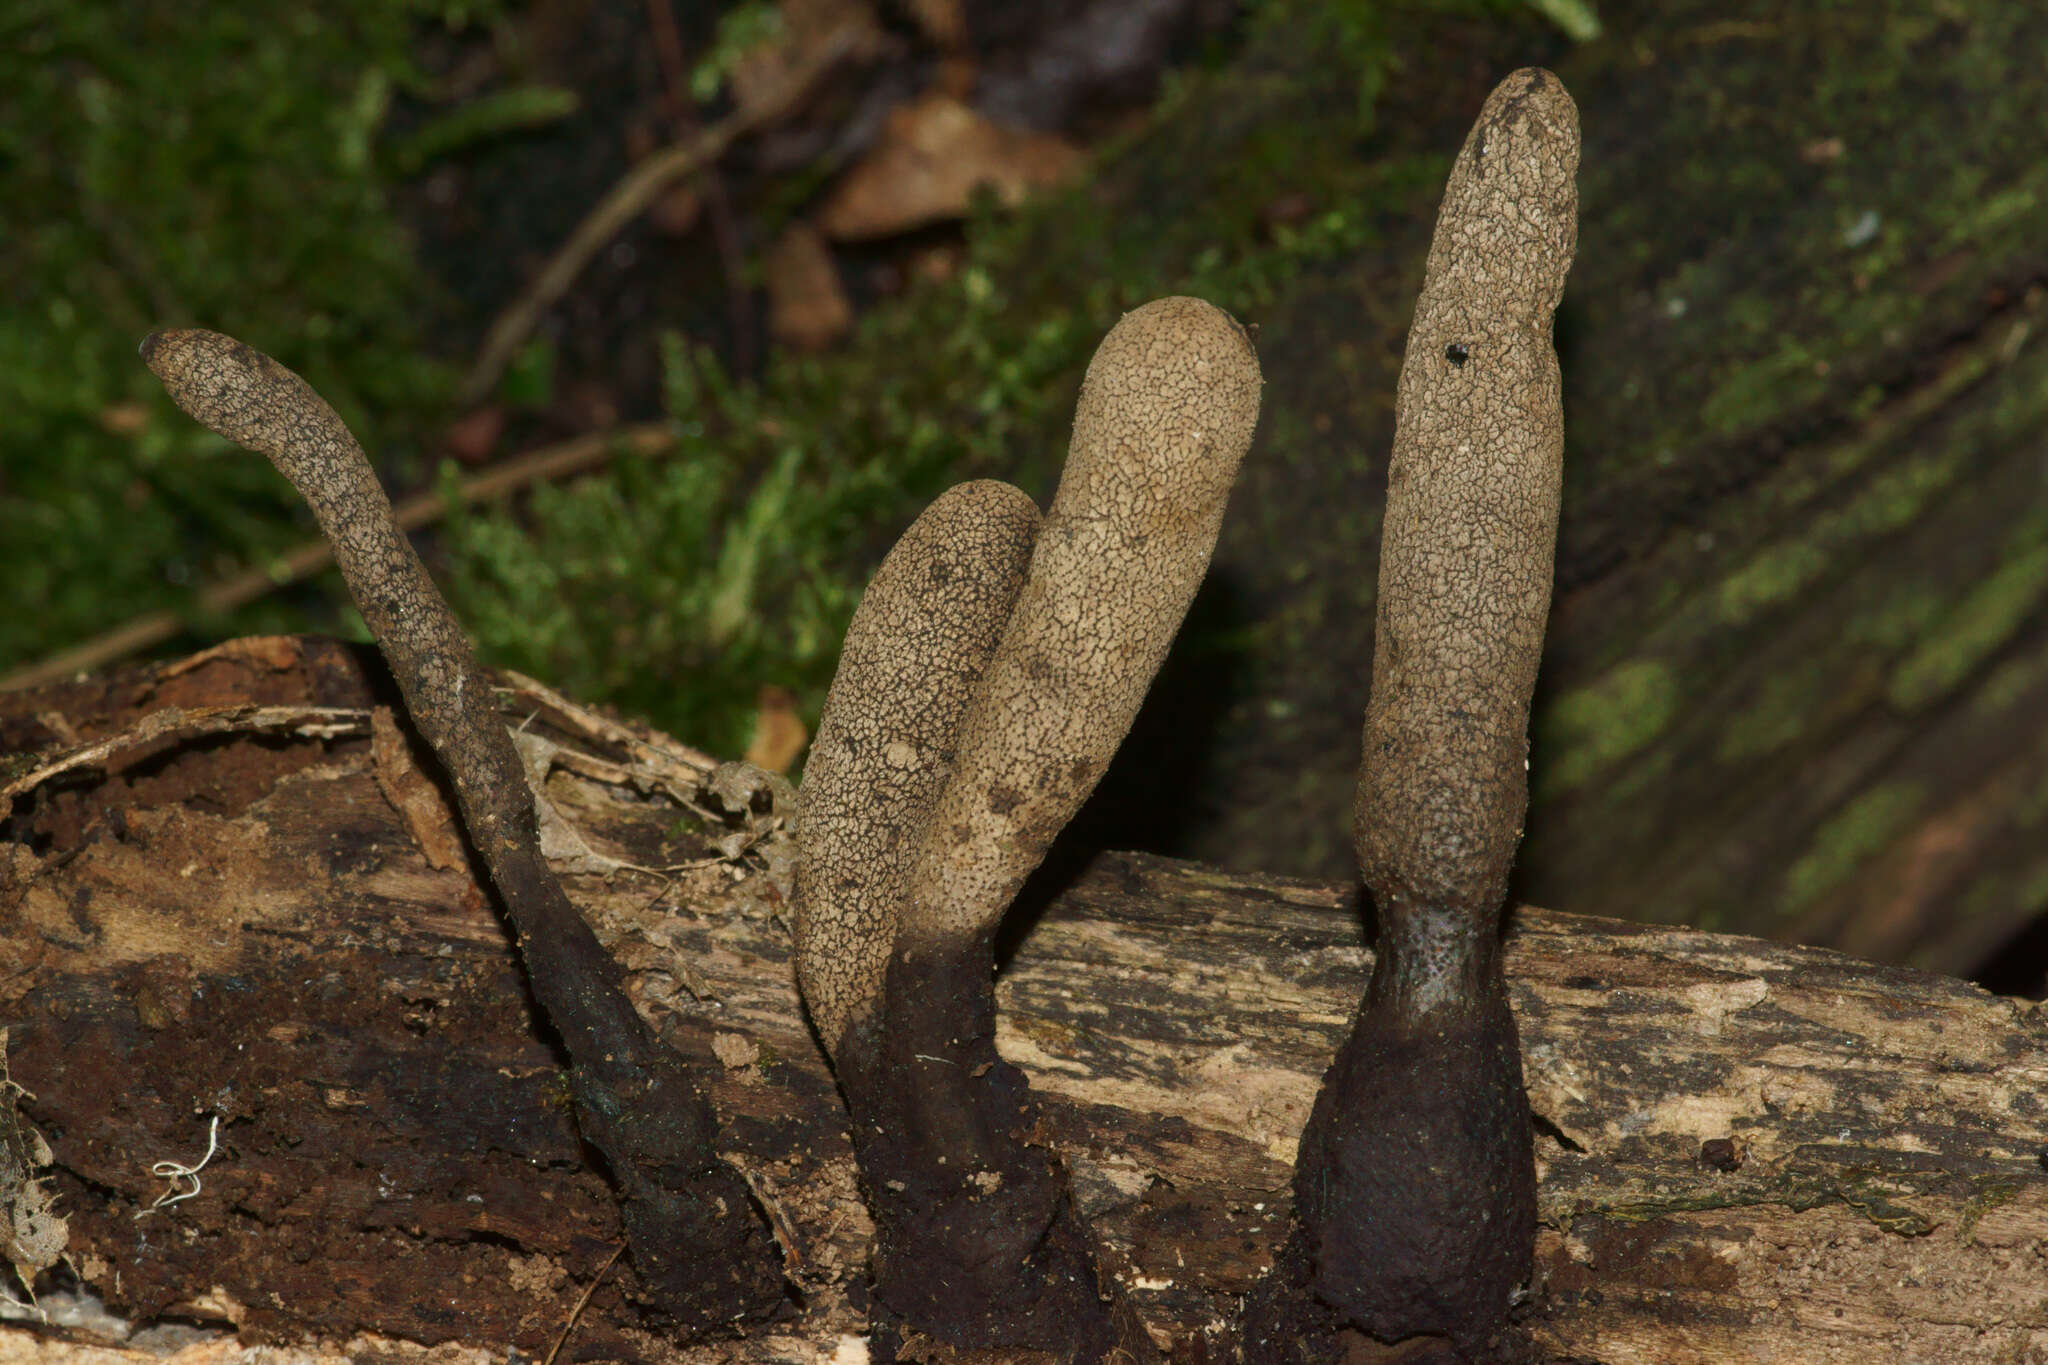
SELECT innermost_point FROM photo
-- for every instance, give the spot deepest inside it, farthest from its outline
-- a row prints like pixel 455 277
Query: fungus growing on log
pixel 700 1251
pixel 1415 1187
pixel 936 790
pixel 914 652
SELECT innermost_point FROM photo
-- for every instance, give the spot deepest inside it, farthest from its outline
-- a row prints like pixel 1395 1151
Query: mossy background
pixel 1799 659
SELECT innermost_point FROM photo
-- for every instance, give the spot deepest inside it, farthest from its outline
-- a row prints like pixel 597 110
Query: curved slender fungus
pixel 977 1242
pixel 699 1250
pixel 1415 1188
pixel 914 652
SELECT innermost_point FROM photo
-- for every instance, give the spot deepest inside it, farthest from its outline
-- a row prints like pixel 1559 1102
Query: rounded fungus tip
pixel 237 391
pixel 1165 417
pixel 1173 391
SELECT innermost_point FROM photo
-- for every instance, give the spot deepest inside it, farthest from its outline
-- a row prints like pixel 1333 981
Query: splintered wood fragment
pixel 178 723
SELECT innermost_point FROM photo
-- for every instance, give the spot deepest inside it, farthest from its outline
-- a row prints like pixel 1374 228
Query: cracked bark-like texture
pixel 1471 525
pixel 1416 1190
pixel 914 652
pixel 1165 416
pixel 978 1242
pixel 698 1246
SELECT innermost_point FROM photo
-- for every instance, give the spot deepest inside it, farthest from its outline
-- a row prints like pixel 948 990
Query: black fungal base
pixel 977 1243
pixel 698 1246
pixel 701 1249
pixel 1415 1190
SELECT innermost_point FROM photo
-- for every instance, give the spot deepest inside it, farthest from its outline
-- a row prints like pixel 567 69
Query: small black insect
pixel 1456 353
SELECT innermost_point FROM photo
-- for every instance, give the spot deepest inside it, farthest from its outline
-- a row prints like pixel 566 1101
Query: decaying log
pixel 1748 1151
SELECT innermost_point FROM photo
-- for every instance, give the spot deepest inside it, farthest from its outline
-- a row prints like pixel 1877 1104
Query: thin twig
pixel 683 123
pixel 629 198
pixel 577 1311
pixel 151 629
pixel 675 76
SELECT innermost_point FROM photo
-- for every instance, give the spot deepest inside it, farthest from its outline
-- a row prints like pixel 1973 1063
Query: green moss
pixel 2015 204
pixel 1803 1188
pixel 1977 626
pixel 732 556
pixel 172 165
pixel 1877 1204
pixel 1904 613
pixel 492 115
pixel 1857 832
pixel 1772 576
pixel 1774 383
pixel 1991 1195
pixel 1895 497
pixel 1781 570
pixel 1781 712
pixel 1884 428
pixel 1596 726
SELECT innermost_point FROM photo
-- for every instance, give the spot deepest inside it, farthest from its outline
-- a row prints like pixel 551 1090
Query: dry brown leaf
pixel 807 25
pixel 472 438
pixel 257 653
pixel 937 264
pixel 779 732
pixel 677 210
pixel 941 21
pixel 807 307
pixel 32 1233
pixel 126 418
pixel 933 154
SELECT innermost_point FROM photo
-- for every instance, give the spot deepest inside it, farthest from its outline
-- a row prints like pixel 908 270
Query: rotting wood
pixel 700 1249
pixel 243 926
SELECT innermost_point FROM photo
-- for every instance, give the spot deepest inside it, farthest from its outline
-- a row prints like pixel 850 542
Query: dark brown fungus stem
pixel 700 1250
pixel 978 702
pixel 1415 1188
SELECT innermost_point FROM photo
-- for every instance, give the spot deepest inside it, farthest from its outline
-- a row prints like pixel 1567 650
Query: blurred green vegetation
pixel 176 165
pixel 233 166
pixel 676 588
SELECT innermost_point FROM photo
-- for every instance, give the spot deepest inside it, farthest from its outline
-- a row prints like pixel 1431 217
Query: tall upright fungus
pixel 1415 1188
pixel 974 711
